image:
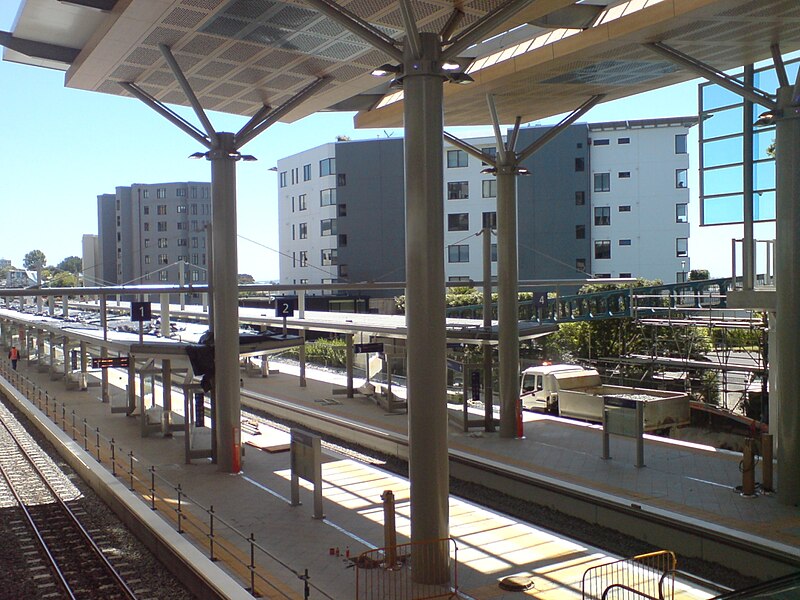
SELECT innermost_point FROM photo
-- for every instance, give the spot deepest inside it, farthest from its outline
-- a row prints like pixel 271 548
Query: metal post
pixel 507 298
pixel 425 301
pixel 225 301
pixel 766 462
pixel 166 392
pixel 748 246
pixel 639 435
pixel 488 400
pixel 787 250
pixel 301 313
pixel 349 363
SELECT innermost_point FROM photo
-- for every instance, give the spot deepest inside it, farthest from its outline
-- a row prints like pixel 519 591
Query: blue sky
pixel 63 147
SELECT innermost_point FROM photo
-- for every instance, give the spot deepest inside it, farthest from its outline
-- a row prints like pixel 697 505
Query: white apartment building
pixel 609 199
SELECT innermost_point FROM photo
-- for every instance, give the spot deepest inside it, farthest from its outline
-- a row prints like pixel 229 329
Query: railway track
pixel 62 558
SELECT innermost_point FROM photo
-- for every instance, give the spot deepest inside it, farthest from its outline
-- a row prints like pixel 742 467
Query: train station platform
pixel 252 511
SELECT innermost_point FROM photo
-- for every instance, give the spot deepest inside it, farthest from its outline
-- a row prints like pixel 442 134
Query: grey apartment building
pixel 147 231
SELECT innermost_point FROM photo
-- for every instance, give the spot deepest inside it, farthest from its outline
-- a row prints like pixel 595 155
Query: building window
pixel 342 240
pixel 182 226
pixel 624 242
pixel 162 225
pixel 182 208
pixel 195 275
pixel 182 242
pixel 580 265
pixel 680 143
pixel 624 140
pixel 457 190
pixel 341 180
pixel 329 257
pixel 162 242
pixel 625 208
pixel 580 198
pixel 624 174
pixel 682 247
pixel 163 276
pixel 489 188
pixel 145 194
pixel 301 202
pixel 303 258
pixel 458 222
pixel 194 191
pixel 161 209
pixel 194 243
pixel 459 278
pixel 181 193
pixel 282 179
pixel 601 142
pixel 490 151
pixel 147 226
pixel 602 275
pixel 163 259
pixel 341 210
pixel 602 249
pixel 295 176
pixel 680 277
pixel 580 232
pixel 194 209
pixel 327 197
pixel 493 252
pixel 681 178
pixel 681 213
pixel 327 166
pixel 626 275
pixel 147 277
pixel 146 242
pixel 457 158
pixel 602 215
pixel 145 211
pixel 458 253
pixel 602 182
pixel 580 165
pixel 161 193
pixel 303 231
pixel 147 259
pixel 489 220
pixel 327 227
pixel 343 272
pixel 307 172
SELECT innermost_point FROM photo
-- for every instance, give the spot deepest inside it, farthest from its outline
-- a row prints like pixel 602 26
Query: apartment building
pixel 146 231
pixel 608 199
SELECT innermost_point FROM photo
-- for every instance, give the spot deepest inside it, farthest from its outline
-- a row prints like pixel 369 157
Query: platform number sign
pixel 140 311
pixel 285 307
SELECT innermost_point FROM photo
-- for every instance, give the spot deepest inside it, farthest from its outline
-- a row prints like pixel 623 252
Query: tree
pixel 34 259
pixel 63 279
pixel 699 275
pixel 71 264
pixel 244 278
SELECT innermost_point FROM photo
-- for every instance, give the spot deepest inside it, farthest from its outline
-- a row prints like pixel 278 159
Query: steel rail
pixel 109 568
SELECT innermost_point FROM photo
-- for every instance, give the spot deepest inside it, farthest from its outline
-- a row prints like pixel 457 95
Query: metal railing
pixel 411 571
pixel 650 576
pixel 764 256
pixel 244 557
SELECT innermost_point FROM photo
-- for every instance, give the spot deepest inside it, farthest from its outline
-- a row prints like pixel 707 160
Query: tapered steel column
pixel 507 285
pixel 488 400
pixel 425 300
pixel 787 250
pixel 226 309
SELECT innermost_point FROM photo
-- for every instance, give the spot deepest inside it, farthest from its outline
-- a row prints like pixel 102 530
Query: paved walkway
pixel 679 479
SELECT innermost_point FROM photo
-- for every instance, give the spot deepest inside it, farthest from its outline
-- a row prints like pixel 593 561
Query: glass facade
pixel 723 123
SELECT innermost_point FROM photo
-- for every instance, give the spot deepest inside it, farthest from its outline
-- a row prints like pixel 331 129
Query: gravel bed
pixel 15 578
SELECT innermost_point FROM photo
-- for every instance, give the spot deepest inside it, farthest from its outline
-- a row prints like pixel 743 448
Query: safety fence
pixel 644 577
pixel 411 571
pixel 241 554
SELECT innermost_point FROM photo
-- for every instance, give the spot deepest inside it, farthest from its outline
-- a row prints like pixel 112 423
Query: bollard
pixel 113 458
pixel 153 487
pixel 748 469
pixel 211 533
pixel 179 511
pixel 389 530
pixel 766 462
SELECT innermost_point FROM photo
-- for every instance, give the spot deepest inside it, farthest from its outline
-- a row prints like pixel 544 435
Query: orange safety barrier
pixel 648 576
pixel 412 571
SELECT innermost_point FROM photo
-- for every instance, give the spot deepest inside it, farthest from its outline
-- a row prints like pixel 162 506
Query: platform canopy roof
pixel 240 54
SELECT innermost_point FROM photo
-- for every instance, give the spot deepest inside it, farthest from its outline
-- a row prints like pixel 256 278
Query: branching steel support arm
pixel 473 34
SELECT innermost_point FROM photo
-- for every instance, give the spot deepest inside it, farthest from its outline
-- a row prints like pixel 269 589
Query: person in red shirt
pixel 13 354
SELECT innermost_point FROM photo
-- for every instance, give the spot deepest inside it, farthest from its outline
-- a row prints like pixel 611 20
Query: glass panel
pixel 722 152
pixel 724 209
pixel 724 122
pixel 727 180
pixel 763 140
pixel 764 206
pixel 764 175
pixel 766 81
pixel 715 97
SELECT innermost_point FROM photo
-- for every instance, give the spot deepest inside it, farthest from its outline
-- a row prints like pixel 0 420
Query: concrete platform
pixel 687 481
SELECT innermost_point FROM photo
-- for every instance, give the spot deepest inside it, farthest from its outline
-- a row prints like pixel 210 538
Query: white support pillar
pixel 425 300
pixel 166 391
pixel 225 301
pixel 83 383
pixel 787 246
pixel 51 306
pixel 165 316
